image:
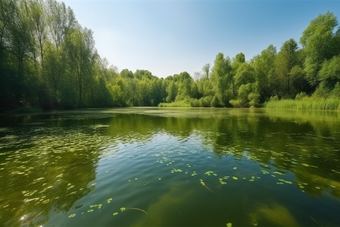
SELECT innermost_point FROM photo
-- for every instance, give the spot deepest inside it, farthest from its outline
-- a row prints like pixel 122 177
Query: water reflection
pixel 49 166
pixel 272 213
pixel 48 169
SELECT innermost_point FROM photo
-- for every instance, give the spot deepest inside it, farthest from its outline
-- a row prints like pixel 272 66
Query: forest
pixel 49 61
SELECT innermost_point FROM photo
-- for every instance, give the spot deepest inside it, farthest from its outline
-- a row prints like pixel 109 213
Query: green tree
pixel 298 81
pixel 285 60
pixel 81 56
pixel 184 82
pixel 320 43
pixel 263 65
pixel 171 91
pixel 61 20
pixel 238 61
pixel 219 80
pixel 245 74
pixel 206 71
pixel 330 72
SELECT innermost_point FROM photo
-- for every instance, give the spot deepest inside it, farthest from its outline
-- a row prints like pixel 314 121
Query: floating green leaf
pixel 115 213
pixel 235 168
pixel 194 174
pixel 122 209
pixel 176 170
pixel 159 178
pixel 229 224
pixel 285 181
pixel 235 178
pixel 210 173
pixel 109 200
pixel 202 182
pixel 264 171
pixel 279 173
pixel 90 210
pixel 221 181
pixel 71 215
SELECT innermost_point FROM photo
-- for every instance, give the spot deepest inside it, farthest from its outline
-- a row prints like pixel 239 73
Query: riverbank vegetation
pixel 49 61
pixel 308 103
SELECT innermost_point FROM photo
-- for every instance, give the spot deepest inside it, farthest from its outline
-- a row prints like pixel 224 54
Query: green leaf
pixel 71 215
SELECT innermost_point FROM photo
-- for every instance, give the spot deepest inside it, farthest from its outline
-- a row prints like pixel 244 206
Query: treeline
pixel 310 72
pixel 48 60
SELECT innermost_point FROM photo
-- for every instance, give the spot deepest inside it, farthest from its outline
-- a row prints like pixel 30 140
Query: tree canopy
pixel 48 60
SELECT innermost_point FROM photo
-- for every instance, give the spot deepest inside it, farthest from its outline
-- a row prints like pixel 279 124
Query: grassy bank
pixel 305 104
pixel 182 103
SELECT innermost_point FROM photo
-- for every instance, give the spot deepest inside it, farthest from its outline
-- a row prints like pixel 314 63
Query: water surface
pixel 170 167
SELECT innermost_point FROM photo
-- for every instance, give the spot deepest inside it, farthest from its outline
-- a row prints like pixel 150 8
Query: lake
pixel 170 167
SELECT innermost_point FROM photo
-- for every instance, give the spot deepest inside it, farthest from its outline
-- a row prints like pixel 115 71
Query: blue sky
pixel 171 36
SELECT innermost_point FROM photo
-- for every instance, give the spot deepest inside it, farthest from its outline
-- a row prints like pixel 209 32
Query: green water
pixel 170 167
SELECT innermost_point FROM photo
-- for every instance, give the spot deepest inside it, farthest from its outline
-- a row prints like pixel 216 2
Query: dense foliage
pixel 48 60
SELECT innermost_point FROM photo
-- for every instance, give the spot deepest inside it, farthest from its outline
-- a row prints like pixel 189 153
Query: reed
pixel 305 104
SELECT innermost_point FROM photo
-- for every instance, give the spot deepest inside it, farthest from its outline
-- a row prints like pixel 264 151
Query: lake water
pixel 170 167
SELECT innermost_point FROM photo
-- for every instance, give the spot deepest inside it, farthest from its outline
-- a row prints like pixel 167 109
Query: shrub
pixel 274 98
pixel 301 96
pixel 236 103
pixel 254 99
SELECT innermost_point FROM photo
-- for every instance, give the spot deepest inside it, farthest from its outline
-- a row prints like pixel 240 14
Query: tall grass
pixel 181 103
pixel 305 104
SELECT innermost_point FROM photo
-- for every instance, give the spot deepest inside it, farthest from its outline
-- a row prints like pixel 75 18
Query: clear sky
pixel 171 36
